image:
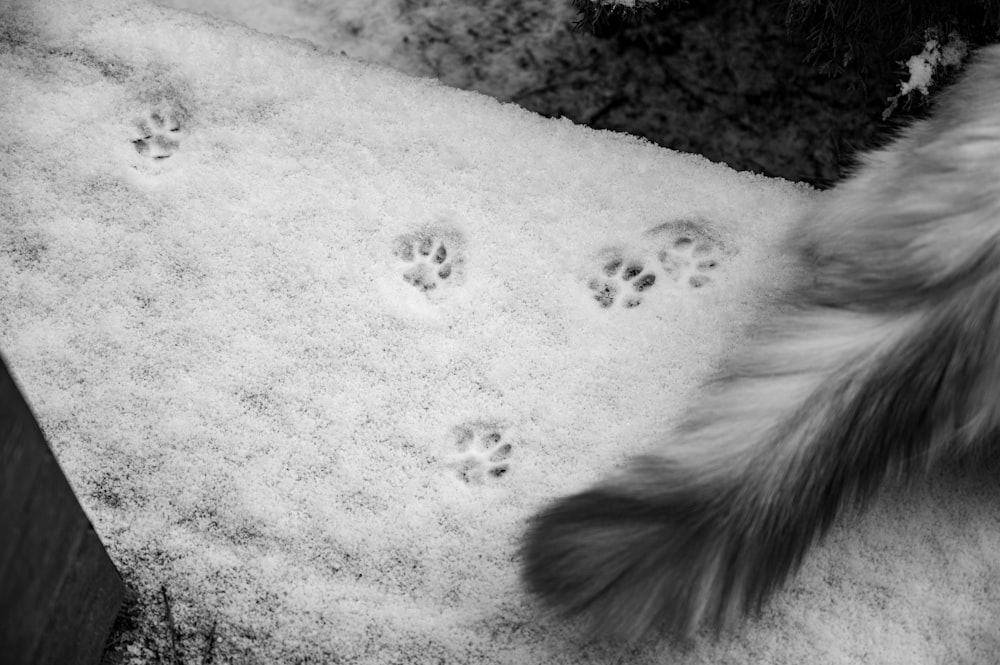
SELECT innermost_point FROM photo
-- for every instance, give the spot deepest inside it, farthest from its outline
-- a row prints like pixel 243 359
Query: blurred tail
pixel 886 359
pixel 813 417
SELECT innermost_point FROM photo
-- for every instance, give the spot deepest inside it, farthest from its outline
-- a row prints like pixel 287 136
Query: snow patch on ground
pixel 312 339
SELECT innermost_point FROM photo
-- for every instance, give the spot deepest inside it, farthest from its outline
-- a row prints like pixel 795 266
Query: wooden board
pixel 59 590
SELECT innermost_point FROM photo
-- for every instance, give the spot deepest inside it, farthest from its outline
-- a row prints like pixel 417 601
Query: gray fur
pixel 886 359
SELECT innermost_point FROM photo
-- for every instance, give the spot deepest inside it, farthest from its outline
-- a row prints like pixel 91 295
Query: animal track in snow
pixel 158 134
pixel 483 453
pixel 430 258
pixel 690 252
pixel 25 250
pixel 622 277
pixel 682 252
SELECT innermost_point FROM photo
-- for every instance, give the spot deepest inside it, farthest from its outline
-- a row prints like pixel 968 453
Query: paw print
pixel 621 278
pixel 25 251
pixel 690 252
pixel 429 259
pixel 159 134
pixel 483 453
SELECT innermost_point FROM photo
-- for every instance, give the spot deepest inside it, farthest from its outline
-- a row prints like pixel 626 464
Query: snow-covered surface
pixel 497 47
pixel 371 30
pixel 312 339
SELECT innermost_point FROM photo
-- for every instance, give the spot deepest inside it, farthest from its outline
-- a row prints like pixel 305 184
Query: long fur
pixel 884 360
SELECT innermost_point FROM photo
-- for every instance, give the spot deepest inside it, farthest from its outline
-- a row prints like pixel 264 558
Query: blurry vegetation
pixel 789 88
pixel 727 79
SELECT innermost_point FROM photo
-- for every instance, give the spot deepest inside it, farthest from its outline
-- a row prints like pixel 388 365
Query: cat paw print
pixel 483 453
pixel 622 280
pixel 158 134
pixel 690 252
pixel 429 259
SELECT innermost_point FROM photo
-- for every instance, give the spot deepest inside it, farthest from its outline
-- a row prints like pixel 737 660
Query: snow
pixel 364 29
pixel 312 339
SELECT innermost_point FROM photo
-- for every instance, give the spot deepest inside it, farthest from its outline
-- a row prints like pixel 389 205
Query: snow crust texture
pixel 313 339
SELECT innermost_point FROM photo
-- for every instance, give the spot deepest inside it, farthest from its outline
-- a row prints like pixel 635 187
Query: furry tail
pixel 816 415
pixel 886 359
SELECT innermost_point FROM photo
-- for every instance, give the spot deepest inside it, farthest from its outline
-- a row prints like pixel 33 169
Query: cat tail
pixel 813 415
